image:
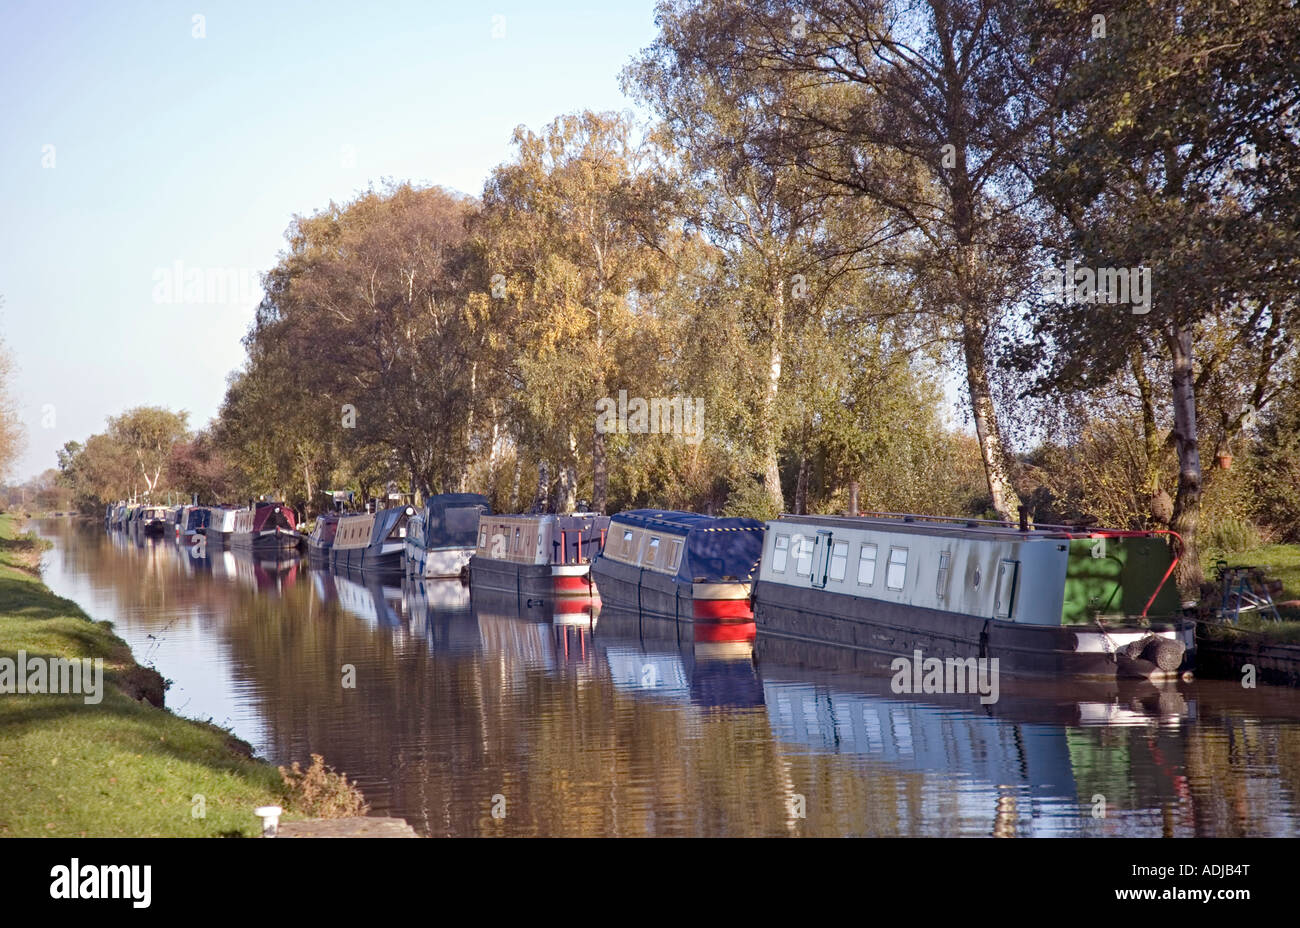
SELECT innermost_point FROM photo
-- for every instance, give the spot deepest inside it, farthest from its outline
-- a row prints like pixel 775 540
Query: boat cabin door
pixel 1006 589
pixel 821 558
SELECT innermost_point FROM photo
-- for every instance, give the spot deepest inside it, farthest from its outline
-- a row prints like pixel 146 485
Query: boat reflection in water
pixel 548 633
pixel 269 574
pixel 704 663
pixel 440 614
pixel 1049 752
pixel 375 599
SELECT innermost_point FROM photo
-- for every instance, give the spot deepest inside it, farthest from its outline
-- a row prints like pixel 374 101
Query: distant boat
pixel 440 538
pixel 153 520
pixel 221 526
pixel 539 555
pixel 194 520
pixel 266 528
pixel 372 541
pixel 680 564
pixel 321 539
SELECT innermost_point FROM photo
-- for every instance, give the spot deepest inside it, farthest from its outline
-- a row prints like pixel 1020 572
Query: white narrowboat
pixel 1046 600
pixel 440 538
pixel 221 526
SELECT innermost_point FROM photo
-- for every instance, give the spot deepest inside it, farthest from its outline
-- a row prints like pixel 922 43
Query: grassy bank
pixel 1280 562
pixel 119 768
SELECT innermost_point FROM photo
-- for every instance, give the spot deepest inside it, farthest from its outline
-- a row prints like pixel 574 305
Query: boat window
pixel 897 572
pixel 802 555
pixel 651 551
pixel 518 541
pixel 867 565
pixel 677 555
pixel 780 551
pixel 482 538
pixel 839 560
pixel 941 585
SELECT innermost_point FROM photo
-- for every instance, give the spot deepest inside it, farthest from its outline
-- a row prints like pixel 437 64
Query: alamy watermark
pixel 1131 285
pixel 53 675
pixel 919 674
pixel 237 286
pixel 682 416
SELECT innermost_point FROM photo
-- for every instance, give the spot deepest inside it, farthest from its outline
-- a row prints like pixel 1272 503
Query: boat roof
pixel 452 500
pixel 681 523
pixel 954 527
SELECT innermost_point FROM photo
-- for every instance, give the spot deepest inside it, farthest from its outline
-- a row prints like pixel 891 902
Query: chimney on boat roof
pixel 853 498
pixel 1024 517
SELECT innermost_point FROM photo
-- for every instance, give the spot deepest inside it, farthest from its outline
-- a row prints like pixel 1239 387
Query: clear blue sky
pixel 170 148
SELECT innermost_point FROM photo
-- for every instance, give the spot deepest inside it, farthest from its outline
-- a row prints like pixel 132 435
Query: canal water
pixel 474 717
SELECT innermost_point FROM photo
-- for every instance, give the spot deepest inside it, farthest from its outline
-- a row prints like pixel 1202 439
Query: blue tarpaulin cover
pixel 451 519
pixel 385 519
pixel 716 548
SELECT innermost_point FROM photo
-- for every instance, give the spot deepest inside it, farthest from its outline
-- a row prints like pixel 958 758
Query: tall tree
pixel 147 434
pixel 1171 152
pixel 570 225
pixel 919 112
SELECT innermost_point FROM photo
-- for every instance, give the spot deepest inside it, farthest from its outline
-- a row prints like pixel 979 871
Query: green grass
pixel 1280 562
pixel 119 768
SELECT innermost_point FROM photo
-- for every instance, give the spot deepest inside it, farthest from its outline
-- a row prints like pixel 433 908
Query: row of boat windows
pixel 506 540
pixel 360 529
pixel 800 548
pixel 655 554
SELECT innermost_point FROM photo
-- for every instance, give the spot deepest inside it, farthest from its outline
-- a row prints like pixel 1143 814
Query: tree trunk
pixel 543 487
pixel 1150 431
pixel 467 461
pixel 515 503
pixel 801 486
pixel 771 467
pixel 599 472
pixel 1187 504
pixel 567 486
pixel 494 456
pixel 1006 501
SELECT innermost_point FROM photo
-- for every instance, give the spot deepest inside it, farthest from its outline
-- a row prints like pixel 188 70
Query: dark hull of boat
pixel 371 559
pixel 623 586
pixel 154 529
pixel 831 620
pixel 318 555
pixel 265 543
pixel 528 580
pixel 220 540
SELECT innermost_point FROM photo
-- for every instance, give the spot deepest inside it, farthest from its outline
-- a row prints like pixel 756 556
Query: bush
pixel 1230 535
pixel 322 792
pixel 750 501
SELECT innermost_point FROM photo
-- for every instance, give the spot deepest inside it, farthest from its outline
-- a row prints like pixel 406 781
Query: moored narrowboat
pixel 1046 600
pixel 372 541
pixel 538 555
pixel 266 528
pixel 193 523
pixel 321 538
pixel 221 526
pixel 441 536
pixel 153 520
pixel 680 564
